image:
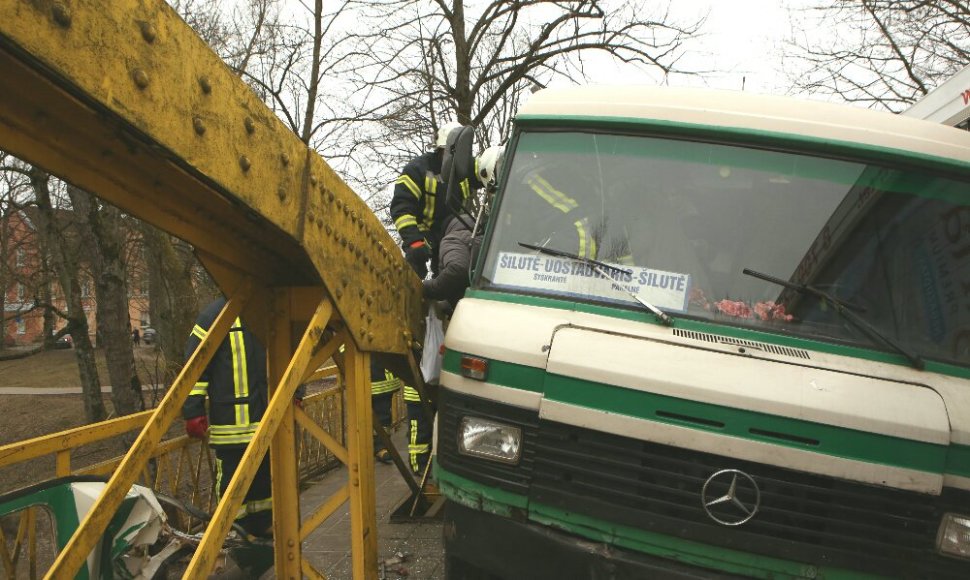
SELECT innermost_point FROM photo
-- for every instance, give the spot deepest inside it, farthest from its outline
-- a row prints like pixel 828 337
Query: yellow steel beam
pixel 327 371
pixel 283 459
pixel 332 445
pixel 360 444
pixel 123 99
pixel 92 527
pixel 279 408
pixel 311 572
pixel 324 511
pixel 69 439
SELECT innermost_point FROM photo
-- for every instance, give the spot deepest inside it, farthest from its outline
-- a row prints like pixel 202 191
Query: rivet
pixel 330 196
pixel 350 246
pixel 244 163
pixel 250 125
pixel 353 217
pixel 359 252
pixel 362 332
pixel 61 14
pixel 205 85
pixel 328 229
pixel 313 179
pixel 290 543
pixel 140 77
pixel 366 260
pixel 198 125
pixel 369 319
pixel 363 314
pixel 360 292
pixel 410 343
pixel 148 32
pixel 281 193
pixel 346 209
pixel 285 159
pixel 343 241
pixel 340 204
pixel 291 556
pixel 370 300
pixel 370 336
pixel 339 292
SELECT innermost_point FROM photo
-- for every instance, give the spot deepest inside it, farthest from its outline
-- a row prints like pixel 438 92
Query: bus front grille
pixel 802 517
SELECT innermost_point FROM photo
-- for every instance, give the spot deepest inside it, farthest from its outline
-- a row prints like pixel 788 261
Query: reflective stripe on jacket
pixel 234 382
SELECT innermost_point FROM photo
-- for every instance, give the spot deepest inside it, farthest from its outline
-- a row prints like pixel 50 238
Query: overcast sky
pixel 741 40
pixel 741 45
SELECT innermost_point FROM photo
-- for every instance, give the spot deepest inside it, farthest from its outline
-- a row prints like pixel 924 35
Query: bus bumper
pixel 484 545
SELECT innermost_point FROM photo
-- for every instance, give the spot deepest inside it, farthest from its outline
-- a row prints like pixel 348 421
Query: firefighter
pixel 458 246
pixel 383 385
pixel 419 206
pixel 235 383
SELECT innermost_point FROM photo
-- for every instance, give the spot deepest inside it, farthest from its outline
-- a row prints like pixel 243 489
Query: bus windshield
pixel 680 222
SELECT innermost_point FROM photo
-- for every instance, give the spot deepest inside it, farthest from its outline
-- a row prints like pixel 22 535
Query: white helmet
pixel 489 163
pixel 443 132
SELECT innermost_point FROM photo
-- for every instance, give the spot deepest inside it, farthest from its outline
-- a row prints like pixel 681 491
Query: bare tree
pixel 101 226
pixel 66 260
pixel 414 66
pixel 879 53
pixel 174 292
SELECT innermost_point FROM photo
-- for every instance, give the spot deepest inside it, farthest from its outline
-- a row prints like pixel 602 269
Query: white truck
pixel 713 334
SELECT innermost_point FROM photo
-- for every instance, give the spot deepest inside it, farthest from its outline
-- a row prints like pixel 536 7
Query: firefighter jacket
pixel 418 207
pixel 234 382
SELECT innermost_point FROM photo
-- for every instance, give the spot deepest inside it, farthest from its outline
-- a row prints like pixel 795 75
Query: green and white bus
pixel 713 334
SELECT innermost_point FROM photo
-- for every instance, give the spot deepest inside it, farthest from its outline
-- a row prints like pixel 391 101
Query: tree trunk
pixel 50 318
pixel 103 226
pixel 173 304
pixel 66 265
pixel 463 65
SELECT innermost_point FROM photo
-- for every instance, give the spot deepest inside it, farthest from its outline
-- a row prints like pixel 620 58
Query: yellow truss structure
pixel 121 98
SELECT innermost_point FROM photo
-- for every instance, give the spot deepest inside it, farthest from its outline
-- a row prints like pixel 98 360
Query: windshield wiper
pixel 846 311
pixel 600 268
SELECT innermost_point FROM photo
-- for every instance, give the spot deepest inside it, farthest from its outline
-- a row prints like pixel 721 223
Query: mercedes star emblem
pixel 735 506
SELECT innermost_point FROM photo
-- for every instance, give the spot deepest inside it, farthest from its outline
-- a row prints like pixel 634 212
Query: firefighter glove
pixel 418 254
pixel 197 426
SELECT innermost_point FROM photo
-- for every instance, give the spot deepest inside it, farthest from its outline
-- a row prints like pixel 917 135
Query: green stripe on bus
pixel 639 315
pixel 751 425
pixel 489 500
pixel 834 441
pixel 501 373
pixel 746 136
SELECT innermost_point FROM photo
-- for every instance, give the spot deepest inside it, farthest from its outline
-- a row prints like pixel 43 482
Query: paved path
pixel 55 390
pixel 328 547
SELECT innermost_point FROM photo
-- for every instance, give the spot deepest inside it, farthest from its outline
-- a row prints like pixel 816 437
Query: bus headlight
pixel 954 536
pixel 489 440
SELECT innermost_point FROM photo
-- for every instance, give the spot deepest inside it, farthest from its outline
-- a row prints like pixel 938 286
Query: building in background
pixel 23 277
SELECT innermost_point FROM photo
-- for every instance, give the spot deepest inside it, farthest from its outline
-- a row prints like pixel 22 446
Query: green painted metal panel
pixel 744 424
pixel 505 374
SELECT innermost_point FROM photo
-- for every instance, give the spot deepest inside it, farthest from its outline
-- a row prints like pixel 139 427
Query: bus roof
pixel 748 112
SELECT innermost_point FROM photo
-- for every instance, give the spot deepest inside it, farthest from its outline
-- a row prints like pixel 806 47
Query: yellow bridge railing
pixel 180 467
